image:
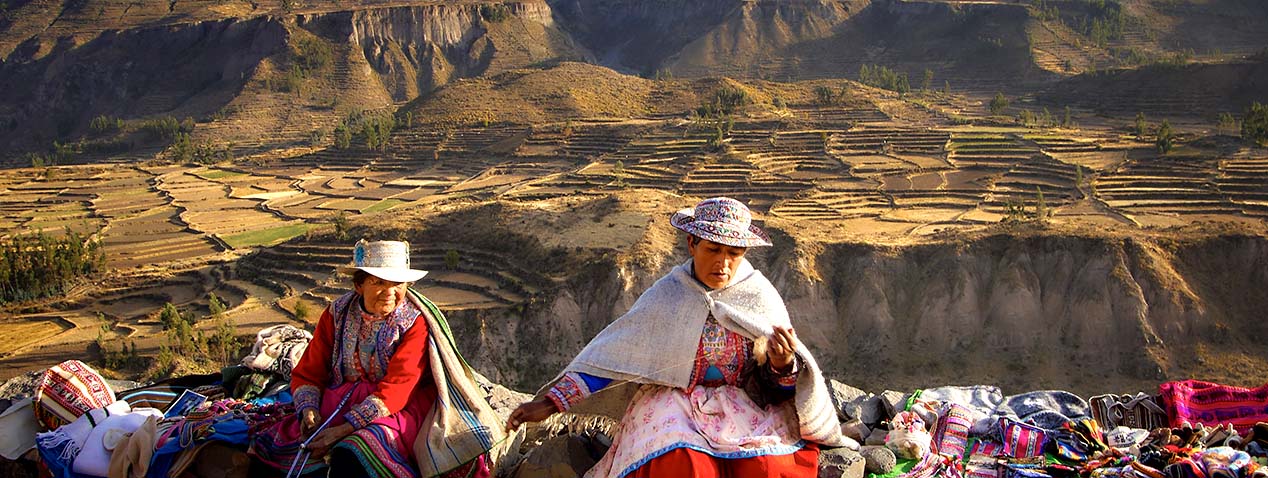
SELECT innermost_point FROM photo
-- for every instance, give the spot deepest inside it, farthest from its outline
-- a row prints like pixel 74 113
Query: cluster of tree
pixel 312 54
pixel 1164 136
pixel 103 125
pixel 1015 210
pixel 40 265
pixel 827 96
pixel 880 76
pixel 725 101
pixel 184 340
pixel 166 128
pixel 1255 124
pixel 183 150
pixel 373 130
pixel 1045 119
pixel 495 13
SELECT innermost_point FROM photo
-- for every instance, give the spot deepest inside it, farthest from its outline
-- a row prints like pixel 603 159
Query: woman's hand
pixel 782 348
pixel 327 439
pixel 308 422
pixel 534 411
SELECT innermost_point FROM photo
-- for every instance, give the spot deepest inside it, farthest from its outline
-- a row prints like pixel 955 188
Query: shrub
pixel 301 310
pixel 1226 124
pixel 1140 125
pixel 451 259
pixel 998 103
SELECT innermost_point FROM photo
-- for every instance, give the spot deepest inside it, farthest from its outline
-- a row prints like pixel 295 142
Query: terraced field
pixel 175 234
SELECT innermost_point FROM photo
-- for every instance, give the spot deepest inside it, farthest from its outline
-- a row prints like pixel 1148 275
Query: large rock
pixel 841 463
pixel 893 402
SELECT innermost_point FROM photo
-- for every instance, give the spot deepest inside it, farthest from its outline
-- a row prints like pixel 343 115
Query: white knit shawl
pixel 656 341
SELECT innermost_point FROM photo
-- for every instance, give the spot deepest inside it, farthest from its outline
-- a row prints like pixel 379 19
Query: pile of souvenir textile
pixel 80 427
pixel 1188 429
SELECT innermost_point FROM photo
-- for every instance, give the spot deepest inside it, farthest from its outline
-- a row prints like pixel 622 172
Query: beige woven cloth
pixel 655 343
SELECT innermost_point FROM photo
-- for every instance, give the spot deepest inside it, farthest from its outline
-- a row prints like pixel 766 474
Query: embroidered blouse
pixel 723 357
pixel 361 347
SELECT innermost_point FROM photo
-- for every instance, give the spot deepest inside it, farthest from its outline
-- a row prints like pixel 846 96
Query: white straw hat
pixel 387 260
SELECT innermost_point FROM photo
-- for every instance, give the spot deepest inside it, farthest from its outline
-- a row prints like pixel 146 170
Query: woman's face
pixel 380 297
pixel 714 264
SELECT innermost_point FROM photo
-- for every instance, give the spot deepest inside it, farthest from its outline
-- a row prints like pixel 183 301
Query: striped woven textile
pixel 68 390
pixel 461 426
pixel 1022 440
pixel 951 435
pixel 1208 403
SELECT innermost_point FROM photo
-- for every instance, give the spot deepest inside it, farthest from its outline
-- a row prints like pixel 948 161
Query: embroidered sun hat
pixel 722 220
pixel 387 260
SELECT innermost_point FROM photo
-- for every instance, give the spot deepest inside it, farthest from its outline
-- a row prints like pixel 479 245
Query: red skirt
pixel 688 463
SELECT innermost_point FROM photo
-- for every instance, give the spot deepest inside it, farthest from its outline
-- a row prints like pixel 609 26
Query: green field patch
pixel 219 174
pixel 384 205
pixel 264 237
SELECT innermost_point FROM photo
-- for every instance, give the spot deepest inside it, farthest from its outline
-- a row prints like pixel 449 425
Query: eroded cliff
pixel 1031 311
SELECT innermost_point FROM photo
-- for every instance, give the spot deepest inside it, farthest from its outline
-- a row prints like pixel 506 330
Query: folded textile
pixel 277 349
pixel 131 455
pixel 1224 462
pixel 951 433
pixel 17 429
pixel 980 400
pixel 66 391
pixel 69 439
pixel 1196 401
pixel 94 456
pixel 1047 409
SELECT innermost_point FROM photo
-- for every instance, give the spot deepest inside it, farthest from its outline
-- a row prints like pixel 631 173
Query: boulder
pixel 878 459
pixel 840 463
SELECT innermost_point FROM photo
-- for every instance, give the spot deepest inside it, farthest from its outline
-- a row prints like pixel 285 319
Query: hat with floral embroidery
pixel 387 260
pixel 722 220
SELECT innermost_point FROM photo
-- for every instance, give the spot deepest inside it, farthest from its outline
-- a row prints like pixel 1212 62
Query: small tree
pixel 1141 125
pixel 1068 120
pixel 946 87
pixel 1226 124
pixel 1078 178
pixel 1041 206
pixel 823 95
pixel 301 310
pixel 618 171
pixel 451 259
pixel 341 225
pixel 1165 137
pixel 927 82
pixel 1255 123
pixel 998 103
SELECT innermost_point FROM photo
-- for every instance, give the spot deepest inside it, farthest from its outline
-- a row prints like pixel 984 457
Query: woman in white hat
pixel 367 385
pixel 724 386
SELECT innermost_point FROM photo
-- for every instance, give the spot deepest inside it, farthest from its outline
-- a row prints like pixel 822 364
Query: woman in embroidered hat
pixel 724 388
pixel 377 392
